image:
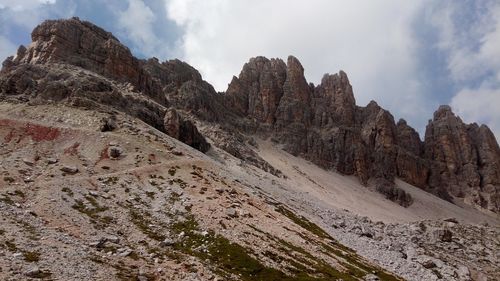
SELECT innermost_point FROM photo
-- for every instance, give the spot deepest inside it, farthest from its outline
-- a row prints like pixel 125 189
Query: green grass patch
pixel 143 221
pixel 231 259
pixel 304 223
pixel 31 256
pixel 93 212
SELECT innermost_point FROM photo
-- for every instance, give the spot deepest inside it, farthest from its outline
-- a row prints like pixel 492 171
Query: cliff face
pixel 464 159
pixel 76 61
pixel 323 124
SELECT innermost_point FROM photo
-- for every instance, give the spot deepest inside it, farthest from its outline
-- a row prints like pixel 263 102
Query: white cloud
pixel 137 21
pixel 27 13
pixel 7 48
pixel 479 105
pixel 371 40
pixel 22 5
pixel 473 48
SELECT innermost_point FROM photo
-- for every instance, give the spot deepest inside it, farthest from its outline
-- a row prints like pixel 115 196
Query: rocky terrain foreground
pixel 115 168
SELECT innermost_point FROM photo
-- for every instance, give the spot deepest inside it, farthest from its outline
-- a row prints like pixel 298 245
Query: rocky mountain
pixel 323 124
pixel 270 98
pixel 262 189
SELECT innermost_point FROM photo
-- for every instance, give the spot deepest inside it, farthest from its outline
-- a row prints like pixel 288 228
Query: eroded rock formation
pixel 323 124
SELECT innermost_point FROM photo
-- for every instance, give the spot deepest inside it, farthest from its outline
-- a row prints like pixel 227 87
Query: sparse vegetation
pixel 6 199
pixel 303 222
pixel 9 179
pixel 19 193
pixel 93 212
pixel 232 259
pixel 143 221
pixel 172 171
pixel 31 256
pixel 150 194
pixel 11 246
pixel 67 191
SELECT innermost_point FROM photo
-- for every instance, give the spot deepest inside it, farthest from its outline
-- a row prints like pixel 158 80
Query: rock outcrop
pixel 464 159
pixel 78 62
pixel 256 93
pixel 323 124
pixel 184 130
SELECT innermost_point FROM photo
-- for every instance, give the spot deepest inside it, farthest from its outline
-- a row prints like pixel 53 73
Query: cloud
pixel 472 43
pixel 370 40
pixel 21 5
pixel 480 106
pixel 7 48
pixel 137 21
pixel 25 13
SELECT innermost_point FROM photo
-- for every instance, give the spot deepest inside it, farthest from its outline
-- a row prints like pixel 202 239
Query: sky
pixel 409 56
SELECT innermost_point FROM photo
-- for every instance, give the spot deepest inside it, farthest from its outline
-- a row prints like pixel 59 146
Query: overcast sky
pixel 409 56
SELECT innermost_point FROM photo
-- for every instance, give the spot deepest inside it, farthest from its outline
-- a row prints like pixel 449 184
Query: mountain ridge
pixel 273 99
pixel 116 168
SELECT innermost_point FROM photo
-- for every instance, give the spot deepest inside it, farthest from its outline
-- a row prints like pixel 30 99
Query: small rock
pixel 443 235
pixel 17 255
pixel 93 193
pixel 123 252
pixel 28 162
pixel 113 239
pixel 52 161
pixel 371 277
pixel 232 212
pixel 178 153
pixel 33 272
pixel 453 220
pixel 463 273
pixel 167 242
pixel 69 169
pixel 428 264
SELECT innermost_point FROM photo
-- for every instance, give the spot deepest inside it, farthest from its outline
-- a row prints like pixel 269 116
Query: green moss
pixel 143 221
pixel 231 259
pixel 93 213
pixel 304 223
pixel 304 262
pixel 31 256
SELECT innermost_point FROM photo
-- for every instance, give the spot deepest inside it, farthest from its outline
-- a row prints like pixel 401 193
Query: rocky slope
pixel 97 186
